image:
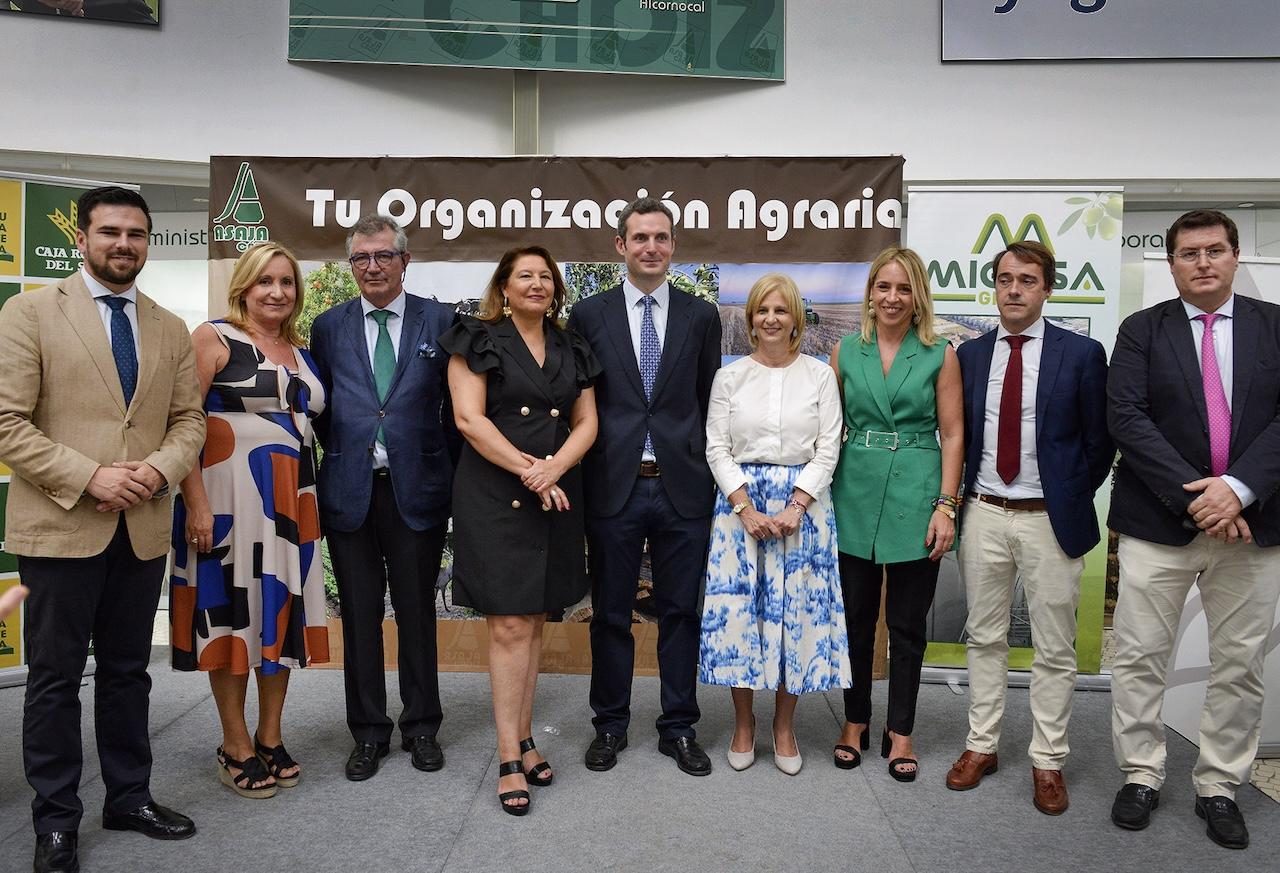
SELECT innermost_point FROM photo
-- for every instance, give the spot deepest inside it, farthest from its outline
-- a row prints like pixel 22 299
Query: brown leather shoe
pixel 969 769
pixel 1051 791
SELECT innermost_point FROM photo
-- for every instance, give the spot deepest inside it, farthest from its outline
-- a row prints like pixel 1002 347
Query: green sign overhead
pixel 740 39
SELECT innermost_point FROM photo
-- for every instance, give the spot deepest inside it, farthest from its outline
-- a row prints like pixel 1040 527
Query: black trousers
pixel 909 591
pixel 678 551
pixel 110 598
pixel 385 552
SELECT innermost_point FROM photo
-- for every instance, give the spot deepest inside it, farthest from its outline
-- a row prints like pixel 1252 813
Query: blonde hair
pixel 249 268
pixel 921 298
pixel 785 286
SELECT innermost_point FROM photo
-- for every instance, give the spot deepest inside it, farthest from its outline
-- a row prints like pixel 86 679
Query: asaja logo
pixel 972 280
pixel 241 220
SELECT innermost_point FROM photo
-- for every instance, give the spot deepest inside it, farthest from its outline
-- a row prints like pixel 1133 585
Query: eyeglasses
pixel 361 261
pixel 1191 256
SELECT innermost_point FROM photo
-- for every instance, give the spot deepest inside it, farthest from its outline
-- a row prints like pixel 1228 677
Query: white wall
pixel 862 78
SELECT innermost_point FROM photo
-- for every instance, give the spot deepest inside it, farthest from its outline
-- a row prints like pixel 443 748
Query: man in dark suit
pixel 1036 451
pixel 1193 400
pixel 384 487
pixel 99 415
pixel 647 479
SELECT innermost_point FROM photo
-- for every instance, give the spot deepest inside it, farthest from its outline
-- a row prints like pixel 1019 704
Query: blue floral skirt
pixel 773 610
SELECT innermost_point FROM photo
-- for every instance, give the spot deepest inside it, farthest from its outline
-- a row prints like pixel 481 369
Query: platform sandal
pixel 508 768
pixel 252 772
pixel 277 760
pixel 534 775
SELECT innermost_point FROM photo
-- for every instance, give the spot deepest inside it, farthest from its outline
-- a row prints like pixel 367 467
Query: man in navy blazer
pixel 647 478
pixel 384 488
pixel 1194 405
pixel 1036 451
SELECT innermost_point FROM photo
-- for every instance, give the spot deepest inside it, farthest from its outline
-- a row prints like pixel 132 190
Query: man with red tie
pixel 1194 406
pixel 1036 451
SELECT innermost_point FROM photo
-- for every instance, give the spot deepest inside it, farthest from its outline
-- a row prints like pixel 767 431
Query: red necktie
pixel 1009 431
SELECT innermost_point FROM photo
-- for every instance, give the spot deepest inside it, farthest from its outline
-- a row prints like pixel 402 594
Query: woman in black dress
pixel 522 396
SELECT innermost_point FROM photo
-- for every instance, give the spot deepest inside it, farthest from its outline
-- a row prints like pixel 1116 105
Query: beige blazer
pixel 62 415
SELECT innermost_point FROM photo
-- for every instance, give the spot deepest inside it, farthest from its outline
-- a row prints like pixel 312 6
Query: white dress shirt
pixel 1027 483
pixel 774 415
pixel 99 291
pixel 394 324
pixel 635 318
pixel 1223 349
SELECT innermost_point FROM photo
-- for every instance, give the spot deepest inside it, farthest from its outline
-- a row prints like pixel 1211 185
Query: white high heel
pixel 743 760
pixel 789 764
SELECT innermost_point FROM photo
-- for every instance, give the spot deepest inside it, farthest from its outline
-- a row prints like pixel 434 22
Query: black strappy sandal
pixel 252 772
pixel 849 763
pixel 277 760
pixel 508 768
pixel 900 775
pixel 534 775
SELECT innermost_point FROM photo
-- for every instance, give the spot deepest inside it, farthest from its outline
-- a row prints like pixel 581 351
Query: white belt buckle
pixel 892 448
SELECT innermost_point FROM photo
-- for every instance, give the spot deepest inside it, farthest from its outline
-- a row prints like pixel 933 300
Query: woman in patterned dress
pixel 247 588
pixel 773 618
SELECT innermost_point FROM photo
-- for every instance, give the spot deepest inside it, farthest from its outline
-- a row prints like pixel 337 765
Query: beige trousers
pixel 998 545
pixel 1239 585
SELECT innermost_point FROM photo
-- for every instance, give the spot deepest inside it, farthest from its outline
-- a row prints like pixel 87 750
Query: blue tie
pixel 122 348
pixel 650 355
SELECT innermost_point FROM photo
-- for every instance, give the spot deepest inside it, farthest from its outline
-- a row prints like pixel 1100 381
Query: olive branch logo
pixel 1100 214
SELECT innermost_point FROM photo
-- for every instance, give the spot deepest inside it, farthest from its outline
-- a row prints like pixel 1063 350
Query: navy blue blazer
pixel 677 417
pixel 1158 418
pixel 417 419
pixel 1073 448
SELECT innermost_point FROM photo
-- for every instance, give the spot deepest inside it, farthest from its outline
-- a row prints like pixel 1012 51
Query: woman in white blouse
pixel 774 617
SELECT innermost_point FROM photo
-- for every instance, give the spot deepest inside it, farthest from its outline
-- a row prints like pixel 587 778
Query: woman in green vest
pixel 895 492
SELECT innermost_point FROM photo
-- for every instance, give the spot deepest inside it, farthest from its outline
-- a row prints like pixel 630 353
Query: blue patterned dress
pixel 773 612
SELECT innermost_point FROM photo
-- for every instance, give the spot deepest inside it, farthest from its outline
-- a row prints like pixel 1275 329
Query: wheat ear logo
pixel 242 213
pixel 65 223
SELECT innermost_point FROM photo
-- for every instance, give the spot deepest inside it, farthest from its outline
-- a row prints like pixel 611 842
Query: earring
pixel 915 319
pixel 506 308
pixel 871 312
pixel 794 332
pixel 551 311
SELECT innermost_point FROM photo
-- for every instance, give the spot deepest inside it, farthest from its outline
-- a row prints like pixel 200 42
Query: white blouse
pixel 774 415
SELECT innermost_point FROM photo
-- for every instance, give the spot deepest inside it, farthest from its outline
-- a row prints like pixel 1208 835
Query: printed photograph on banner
pixel 126 11
pixel 11 654
pixel 832 296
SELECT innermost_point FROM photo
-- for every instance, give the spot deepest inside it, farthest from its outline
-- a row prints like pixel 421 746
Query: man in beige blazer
pixel 100 413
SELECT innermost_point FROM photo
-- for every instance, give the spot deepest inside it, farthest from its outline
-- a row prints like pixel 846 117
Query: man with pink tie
pixel 1194 407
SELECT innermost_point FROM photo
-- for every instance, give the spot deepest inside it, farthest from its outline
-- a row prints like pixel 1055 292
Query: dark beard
pixel 101 267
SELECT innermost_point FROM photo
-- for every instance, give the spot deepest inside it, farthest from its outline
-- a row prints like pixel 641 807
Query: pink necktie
pixel 1215 399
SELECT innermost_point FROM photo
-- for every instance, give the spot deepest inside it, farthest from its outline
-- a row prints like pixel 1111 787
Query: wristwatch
pixel 945 510
pixel 738 507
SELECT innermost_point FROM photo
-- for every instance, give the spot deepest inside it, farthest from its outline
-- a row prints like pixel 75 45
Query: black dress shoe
pixel 427 754
pixel 156 821
pixel 1133 805
pixel 56 853
pixel 602 754
pixel 363 760
pixel 1226 824
pixel 688 754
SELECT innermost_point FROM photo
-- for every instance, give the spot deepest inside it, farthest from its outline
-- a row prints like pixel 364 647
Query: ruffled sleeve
pixel 471 338
pixel 588 368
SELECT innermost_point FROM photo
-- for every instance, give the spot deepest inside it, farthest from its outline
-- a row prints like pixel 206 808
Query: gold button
pixel 515 504
pixel 555 413
pixel 524 410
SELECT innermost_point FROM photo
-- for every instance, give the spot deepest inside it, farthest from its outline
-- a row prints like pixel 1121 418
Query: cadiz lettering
pixel 1084 7
pixel 742 212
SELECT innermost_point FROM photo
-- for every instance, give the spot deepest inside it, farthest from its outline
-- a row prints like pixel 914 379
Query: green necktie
pixel 384 360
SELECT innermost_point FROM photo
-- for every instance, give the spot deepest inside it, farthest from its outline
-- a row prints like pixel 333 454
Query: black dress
pixel 510 556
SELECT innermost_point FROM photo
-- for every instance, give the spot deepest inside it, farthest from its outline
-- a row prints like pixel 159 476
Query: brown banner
pixel 729 210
